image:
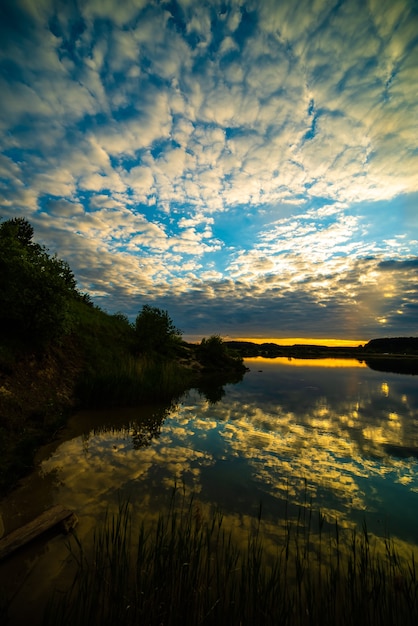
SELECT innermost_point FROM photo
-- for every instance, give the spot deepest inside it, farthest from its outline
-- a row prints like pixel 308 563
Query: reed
pixel 187 570
pixel 123 382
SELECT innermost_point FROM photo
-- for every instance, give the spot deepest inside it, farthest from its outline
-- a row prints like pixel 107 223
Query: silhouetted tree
pixel 212 351
pixel 35 288
pixel 155 331
pixel 214 354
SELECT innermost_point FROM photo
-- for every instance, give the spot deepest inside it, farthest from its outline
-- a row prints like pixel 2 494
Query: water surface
pixel 332 435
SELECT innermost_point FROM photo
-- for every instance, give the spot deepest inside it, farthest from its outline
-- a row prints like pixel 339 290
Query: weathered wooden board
pixel 57 515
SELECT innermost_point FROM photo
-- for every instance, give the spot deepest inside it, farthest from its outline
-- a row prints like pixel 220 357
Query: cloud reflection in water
pixel 345 439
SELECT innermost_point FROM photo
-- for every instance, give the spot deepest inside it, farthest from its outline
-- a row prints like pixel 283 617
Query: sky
pixel 249 166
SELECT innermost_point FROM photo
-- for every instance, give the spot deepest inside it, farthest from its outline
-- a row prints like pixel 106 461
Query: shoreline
pixel 271 350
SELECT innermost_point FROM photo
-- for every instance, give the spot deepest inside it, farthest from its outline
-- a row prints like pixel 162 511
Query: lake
pixel 323 435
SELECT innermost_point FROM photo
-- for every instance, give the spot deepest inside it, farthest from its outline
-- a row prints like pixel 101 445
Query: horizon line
pixel 291 341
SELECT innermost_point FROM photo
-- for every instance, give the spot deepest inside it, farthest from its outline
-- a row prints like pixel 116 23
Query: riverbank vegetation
pixel 59 351
pixel 189 569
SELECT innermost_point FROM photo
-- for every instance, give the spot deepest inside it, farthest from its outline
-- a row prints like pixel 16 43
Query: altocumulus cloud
pixel 251 166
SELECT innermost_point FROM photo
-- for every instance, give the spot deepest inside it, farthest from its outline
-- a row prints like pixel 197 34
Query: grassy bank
pixel 188 570
pixel 132 381
pixel 98 364
pixel 115 372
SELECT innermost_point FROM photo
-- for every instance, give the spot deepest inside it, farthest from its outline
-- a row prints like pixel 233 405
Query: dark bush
pixel 155 331
pixel 35 288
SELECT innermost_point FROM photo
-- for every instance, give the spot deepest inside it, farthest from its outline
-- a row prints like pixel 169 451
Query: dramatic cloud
pixel 250 165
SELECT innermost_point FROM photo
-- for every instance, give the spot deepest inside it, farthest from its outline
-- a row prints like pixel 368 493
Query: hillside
pixel 58 352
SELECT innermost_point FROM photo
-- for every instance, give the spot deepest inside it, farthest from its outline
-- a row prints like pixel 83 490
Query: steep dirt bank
pixel 36 393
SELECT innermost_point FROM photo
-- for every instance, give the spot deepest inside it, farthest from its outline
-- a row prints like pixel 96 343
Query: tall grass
pixel 188 570
pixel 112 375
pixel 122 382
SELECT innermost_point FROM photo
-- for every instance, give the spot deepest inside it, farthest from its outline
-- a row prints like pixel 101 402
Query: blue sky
pixel 252 167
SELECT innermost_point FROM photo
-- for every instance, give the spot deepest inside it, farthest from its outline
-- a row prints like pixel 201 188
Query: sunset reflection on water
pixel 313 362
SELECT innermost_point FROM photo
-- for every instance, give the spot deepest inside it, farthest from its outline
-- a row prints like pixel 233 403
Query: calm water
pixel 333 433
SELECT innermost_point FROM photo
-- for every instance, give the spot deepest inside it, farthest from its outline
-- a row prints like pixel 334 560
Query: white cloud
pixel 150 129
pixel 105 9
pixel 228 45
pixel 199 24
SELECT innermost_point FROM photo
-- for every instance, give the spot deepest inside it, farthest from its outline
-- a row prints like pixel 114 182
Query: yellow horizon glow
pixel 291 341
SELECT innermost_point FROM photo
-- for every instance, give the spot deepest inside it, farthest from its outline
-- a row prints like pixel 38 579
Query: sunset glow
pixel 287 341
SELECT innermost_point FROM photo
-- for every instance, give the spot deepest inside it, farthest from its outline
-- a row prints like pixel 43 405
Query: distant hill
pixel 393 345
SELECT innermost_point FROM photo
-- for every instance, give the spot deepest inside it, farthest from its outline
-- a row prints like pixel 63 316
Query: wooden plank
pixel 57 515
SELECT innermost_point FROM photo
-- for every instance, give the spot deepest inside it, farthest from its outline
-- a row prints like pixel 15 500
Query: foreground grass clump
pixel 135 379
pixel 189 570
